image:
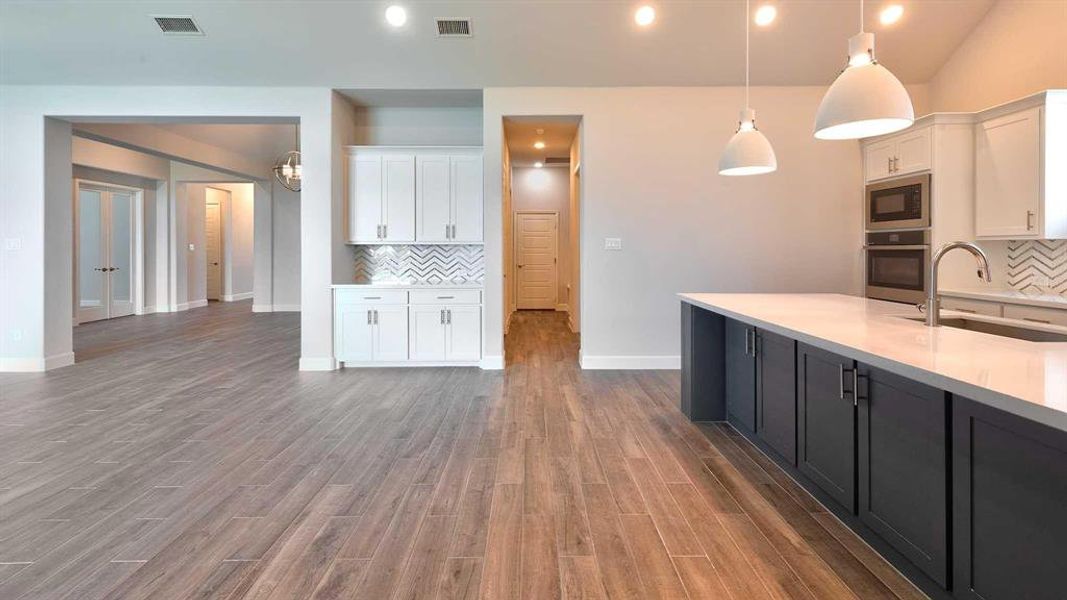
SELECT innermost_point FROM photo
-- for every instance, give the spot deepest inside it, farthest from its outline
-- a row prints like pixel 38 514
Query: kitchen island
pixel 944 448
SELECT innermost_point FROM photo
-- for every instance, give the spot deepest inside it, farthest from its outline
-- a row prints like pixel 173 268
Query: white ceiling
pixel 521 133
pixel 515 43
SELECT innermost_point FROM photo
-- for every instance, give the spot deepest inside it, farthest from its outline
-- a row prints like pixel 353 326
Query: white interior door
pixel 92 255
pixel 213 248
pixel 121 230
pixel 535 260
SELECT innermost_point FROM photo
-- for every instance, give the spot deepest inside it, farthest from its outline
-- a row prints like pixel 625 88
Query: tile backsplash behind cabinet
pixel 420 264
pixel 1038 266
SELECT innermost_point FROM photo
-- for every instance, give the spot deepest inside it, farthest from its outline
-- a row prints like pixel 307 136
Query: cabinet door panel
pixel 467 198
pixel 354 333
pixel 364 198
pixel 1007 175
pixel 398 193
pixel 433 185
pixel 1010 490
pixel 740 376
pixel 826 423
pixel 391 333
pixel 903 467
pixel 427 333
pixel 465 333
pixel 776 405
pixel 913 152
pixel 878 158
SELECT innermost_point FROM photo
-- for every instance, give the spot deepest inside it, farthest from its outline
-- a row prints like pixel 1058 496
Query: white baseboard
pixel 406 364
pixel 256 308
pixel 194 304
pixel 631 362
pixel 321 363
pixel 236 297
pixel 562 308
pixel 286 308
pixel 492 363
pixel 36 365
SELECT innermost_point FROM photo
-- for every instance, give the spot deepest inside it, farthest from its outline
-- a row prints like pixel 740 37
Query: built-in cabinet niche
pixel 414 195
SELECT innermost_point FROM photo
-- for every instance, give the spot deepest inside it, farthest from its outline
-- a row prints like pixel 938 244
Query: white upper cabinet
pixel 421 195
pixel 896 155
pixel 1021 172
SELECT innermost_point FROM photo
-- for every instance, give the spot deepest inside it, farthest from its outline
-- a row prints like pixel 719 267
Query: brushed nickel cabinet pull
pixel 369 320
pixel 442 316
pixel 1029 220
pixel 376 317
pixel 449 311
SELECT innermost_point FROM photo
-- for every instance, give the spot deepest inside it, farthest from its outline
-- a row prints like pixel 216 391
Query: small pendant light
pixel 865 99
pixel 288 170
pixel 748 152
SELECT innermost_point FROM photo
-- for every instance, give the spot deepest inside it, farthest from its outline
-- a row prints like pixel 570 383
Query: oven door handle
pixel 910 247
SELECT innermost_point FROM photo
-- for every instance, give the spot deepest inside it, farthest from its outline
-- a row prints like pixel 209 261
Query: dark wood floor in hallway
pixel 184 456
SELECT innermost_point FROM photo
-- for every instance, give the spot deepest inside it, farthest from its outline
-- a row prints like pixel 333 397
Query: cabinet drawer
pixel 979 307
pixel 446 297
pixel 1052 316
pixel 371 296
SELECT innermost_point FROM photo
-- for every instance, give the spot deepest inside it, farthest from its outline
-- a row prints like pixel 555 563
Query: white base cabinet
pixel 378 327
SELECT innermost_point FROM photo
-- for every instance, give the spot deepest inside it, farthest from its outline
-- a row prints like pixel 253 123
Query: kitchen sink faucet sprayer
pixel 933 302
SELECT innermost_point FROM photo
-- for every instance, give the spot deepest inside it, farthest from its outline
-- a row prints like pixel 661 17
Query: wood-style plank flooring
pixel 184 456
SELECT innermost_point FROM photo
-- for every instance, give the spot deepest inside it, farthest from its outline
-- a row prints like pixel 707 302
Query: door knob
pixel 214 264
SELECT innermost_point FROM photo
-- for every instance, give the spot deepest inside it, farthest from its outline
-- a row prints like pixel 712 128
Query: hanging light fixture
pixel 865 99
pixel 748 152
pixel 287 169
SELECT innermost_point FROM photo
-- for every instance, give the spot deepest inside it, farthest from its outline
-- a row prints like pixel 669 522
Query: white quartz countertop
pixel 1028 379
pixel 1011 297
pixel 410 286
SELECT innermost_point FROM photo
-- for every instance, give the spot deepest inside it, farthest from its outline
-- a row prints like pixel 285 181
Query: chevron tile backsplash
pixel 1032 259
pixel 429 264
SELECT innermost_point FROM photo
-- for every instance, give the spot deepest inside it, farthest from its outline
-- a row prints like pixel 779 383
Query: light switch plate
pixel 613 243
pixel 13 244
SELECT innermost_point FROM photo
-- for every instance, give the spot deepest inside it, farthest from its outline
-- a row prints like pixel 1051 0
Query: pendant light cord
pixel 747 2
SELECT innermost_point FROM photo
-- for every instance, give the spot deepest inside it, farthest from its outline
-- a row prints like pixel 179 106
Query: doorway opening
pixel 108 251
pixel 542 214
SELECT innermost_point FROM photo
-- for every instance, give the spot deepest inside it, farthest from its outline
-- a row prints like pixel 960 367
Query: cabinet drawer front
pixel 446 296
pixel 967 305
pixel 1051 316
pixel 355 296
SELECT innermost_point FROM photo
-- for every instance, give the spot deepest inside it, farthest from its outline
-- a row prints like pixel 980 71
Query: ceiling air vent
pixel 177 25
pixel 453 27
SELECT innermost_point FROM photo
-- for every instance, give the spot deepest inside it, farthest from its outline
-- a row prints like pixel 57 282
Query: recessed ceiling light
pixel 765 15
pixel 539 165
pixel 891 14
pixel 396 15
pixel 539 145
pixel 645 16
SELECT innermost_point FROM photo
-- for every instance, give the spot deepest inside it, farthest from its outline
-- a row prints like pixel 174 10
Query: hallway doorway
pixel 108 251
pixel 542 213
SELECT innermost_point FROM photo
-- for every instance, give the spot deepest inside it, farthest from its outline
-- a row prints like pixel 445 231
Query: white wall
pixel 574 235
pixel 403 126
pixel 238 235
pixel 35 159
pixel 547 189
pixel 649 176
pixel 286 270
pixel 1016 50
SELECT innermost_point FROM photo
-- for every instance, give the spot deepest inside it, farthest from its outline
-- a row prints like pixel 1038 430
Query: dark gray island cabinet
pixel 966 500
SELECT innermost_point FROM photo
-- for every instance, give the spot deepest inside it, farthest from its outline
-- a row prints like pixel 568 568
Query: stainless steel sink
pixel 1001 329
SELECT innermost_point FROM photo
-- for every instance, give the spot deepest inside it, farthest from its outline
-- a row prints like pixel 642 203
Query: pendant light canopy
pixel 287 169
pixel 748 152
pixel 865 99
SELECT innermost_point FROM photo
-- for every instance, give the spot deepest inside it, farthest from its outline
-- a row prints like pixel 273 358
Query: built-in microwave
pixel 899 204
pixel 897 264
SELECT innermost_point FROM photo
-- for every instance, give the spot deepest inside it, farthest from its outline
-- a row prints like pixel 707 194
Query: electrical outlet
pixel 15 334
pixel 13 244
pixel 613 243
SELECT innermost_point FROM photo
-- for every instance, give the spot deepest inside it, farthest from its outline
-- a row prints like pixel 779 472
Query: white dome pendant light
pixel 865 99
pixel 748 152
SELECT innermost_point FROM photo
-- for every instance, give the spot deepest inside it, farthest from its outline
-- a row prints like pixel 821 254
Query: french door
pixel 106 246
